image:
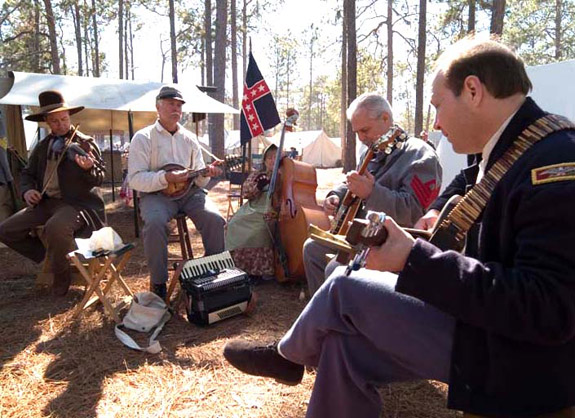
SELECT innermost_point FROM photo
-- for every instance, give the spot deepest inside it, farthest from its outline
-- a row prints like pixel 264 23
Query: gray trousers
pixel 157 210
pixel 315 263
pixel 360 333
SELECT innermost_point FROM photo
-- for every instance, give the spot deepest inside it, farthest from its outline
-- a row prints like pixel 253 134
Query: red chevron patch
pixel 424 192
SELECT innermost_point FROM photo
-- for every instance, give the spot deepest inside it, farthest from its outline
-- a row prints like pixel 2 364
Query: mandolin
pixel 180 189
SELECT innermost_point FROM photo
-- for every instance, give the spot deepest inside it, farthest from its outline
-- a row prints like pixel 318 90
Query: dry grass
pixel 53 366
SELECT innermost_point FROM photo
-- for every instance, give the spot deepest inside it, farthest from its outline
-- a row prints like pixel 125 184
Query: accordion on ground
pixel 214 289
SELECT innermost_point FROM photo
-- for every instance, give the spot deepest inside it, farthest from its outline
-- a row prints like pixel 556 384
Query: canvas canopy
pixel 322 152
pixel 107 101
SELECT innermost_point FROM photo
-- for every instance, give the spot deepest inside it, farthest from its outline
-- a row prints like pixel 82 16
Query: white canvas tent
pixel 554 87
pixel 298 139
pixel 553 90
pixel 322 152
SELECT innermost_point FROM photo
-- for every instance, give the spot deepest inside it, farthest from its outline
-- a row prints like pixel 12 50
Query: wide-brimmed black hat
pixel 52 101
pixel 170 92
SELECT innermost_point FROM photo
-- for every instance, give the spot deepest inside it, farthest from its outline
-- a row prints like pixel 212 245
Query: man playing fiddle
pixel 402 184
pixel 60 186
pixel 168 142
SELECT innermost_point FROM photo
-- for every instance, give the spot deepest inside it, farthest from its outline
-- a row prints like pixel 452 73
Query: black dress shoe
pixel 259 360
pixel 160 290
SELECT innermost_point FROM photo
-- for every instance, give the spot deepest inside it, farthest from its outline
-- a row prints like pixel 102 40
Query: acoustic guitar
pixel 356 237
pixel 177 190
pixel 350 204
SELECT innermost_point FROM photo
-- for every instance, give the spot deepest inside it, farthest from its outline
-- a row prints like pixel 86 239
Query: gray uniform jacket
pixel 407 181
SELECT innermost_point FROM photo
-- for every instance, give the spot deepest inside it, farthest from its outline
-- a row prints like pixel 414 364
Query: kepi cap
pixel 170 92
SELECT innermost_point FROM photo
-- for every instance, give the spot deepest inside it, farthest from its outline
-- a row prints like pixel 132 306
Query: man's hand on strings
pixel 427 221
pixel 360 185
pixel 32 197
pixel 214 170
pixel 392 255
pixel 85 162
pixel 330 204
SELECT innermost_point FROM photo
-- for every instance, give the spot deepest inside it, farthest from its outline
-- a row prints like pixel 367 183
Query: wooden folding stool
pixel 107 265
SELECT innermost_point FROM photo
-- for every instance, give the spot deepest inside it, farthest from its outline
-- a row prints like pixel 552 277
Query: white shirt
pixel 181 148
pixel 488 148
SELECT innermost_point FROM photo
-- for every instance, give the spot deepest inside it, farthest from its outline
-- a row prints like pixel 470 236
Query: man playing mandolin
pixel 165 192
pixel 402 183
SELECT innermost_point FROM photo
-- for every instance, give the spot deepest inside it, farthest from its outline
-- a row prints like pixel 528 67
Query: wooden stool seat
pixel 107 265
pixel 563 413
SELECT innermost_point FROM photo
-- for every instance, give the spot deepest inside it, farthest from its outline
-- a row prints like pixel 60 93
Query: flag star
pixel 254 92
pixel 249 107
pixel 255 126
pixel 251 117
pixel 262 87
pixel 246 98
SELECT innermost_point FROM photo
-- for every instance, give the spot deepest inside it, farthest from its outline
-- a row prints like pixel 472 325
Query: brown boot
pixel 61 283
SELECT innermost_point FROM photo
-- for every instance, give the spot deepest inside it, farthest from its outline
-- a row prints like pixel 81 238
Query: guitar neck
pixel 192 174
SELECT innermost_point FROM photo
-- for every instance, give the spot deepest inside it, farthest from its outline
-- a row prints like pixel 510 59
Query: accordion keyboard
pixel 200 266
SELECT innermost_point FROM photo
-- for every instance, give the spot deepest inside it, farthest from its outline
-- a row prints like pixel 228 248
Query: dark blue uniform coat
pixel 513 293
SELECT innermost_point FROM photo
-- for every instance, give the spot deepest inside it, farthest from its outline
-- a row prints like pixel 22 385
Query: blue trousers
pixel 360 334
pixel 157 210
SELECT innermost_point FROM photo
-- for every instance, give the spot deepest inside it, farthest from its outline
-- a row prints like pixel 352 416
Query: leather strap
pixel 452 231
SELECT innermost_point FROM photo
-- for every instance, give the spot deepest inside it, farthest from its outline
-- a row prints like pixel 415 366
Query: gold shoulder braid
pixel 451 232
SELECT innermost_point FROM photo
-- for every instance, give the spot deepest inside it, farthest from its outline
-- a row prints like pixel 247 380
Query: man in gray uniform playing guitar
pixel 165 192
pixel 402 182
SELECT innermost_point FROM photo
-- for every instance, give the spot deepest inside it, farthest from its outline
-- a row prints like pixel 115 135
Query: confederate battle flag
pixel 259 111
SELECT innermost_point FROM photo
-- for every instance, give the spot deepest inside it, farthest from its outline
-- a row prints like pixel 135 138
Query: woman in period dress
pixel 248 238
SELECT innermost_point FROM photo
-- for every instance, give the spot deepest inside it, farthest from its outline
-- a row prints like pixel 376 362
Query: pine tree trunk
pixel 471 16
pixel 235 97
pixel 421 41
pixel 497 17
pixel 208 32
pixel 217 141
pixel 245 36
pixel 173 42
pixel 121 38
pixel 36 56
pixel 310 79
pixel 349 161
pixel 343 99
pixel 558 29
pixel 85 26
pixel 96 43
pixel 53 37
pixel 389 51
pixel 78 34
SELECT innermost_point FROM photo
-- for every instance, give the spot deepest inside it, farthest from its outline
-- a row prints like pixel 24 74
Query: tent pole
pixel 112 166
pixel 135 192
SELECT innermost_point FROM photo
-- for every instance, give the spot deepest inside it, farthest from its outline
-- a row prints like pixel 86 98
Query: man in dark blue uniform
pixel 497 323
